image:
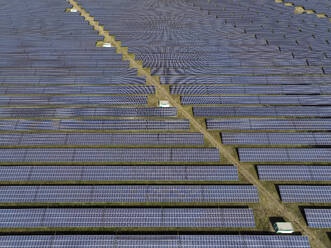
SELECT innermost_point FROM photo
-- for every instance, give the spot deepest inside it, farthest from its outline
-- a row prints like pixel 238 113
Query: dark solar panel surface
pixel 269 138
pixel 305 193
pixel 298 111
pixel 130 193
pixel 67 155
pixel 100 139
pixel 284 154
pixel 163 241
pixel 134 217
pixel 294 172
pixel 118 173
pixel 268 124
pixel 94 124
pixel 58 89
pixel 318 218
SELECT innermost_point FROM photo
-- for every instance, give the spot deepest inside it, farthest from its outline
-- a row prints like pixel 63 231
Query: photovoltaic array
pixel 100 139
pixel 118 173
pixel 268 138
pixel 94 124
pixel 85 145
pixel 129 193
pixel 294 172
pixel 285 154
pixel 305 193
pixel 134 217
pixel 142 241
pixel 318 218
pixel 74 155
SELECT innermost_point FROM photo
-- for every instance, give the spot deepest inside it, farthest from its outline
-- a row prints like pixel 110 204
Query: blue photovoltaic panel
pixel 94 139
pixel 284 154
pixel 318 218
pixel 266 80
pixel 256 100
pixel 118 173
pixel 109 155
pixel 298 111
pixel 162 241
pixel 73 100
pixel 305 193
pixel 94 124
pixel 231 70
pixel 251 89
pixel 21 112
pixel 231 138
pixel 294 172
pixel 67 80
pixel 127 217
pixel 268 124
pixel 75 90
pixel 130 193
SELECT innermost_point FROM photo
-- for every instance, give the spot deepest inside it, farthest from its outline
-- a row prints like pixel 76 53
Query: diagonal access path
pixel 271 204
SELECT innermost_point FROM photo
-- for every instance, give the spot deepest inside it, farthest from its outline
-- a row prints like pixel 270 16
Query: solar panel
pixel 109 155
pixel 127 217
pixel 37 241
pixel 118 173
pixel 305 193
pixel 192 82
pixel 284 154
pixel 143 241
pixel 299 111
pixel 294 172
pixel 232 70
pixel 94 124
pixel 268 124
pixel 81 90
pixel 73 100
pixel 72 80
pixel 318 218
pixel 262 138
pixel 255 100
pixel 106 139
pixel 130 193
pixel 21 112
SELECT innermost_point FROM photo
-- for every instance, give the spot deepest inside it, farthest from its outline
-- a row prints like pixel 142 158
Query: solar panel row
pixel 21 112
pixel 268 124
pixel 119 173
pixel 256 100
pixel 233 70
pixel 262 138
pixel 305 193
pixel 127 217
pixel 162 241
pixel 69 71
pixel 294 172
pixel 72 90
pixel 284 154
pixel 94 124
pixel 15 81
pixel 318 218
pixel 265 80
pixel 73 100
pixel 68 155
pixel 102 139
pixel 252 89
pixel 298 111
pixel 129 193
pixel 76 71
